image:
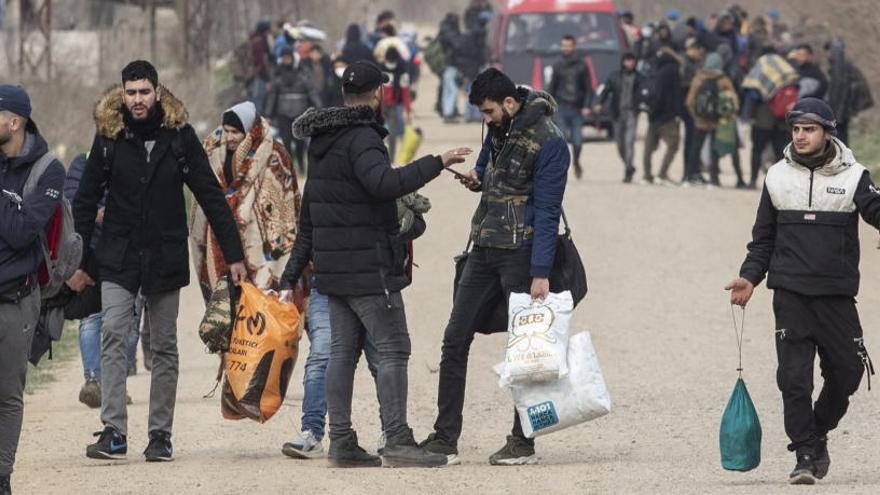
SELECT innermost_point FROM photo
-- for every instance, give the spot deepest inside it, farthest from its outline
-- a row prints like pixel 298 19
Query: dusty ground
pixel 657 260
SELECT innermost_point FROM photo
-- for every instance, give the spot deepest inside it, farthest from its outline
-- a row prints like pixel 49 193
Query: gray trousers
pixel 352 319
pixel 161 309
pixel 625 136
pixel 17 324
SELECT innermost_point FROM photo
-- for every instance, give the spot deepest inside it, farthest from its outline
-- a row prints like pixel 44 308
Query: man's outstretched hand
pixel 740 291
pixel 454 156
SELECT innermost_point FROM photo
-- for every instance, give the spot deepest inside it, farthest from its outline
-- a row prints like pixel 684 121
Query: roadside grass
pixel 62 351
pixel 866 147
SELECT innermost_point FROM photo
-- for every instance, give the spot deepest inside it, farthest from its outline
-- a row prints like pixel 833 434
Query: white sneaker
pixel 647 182
pixel 307 446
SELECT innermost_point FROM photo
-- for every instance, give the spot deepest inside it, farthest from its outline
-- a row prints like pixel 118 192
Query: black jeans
pixel 779 138
pixel 805 325
pixel 384 320
pixel 486 272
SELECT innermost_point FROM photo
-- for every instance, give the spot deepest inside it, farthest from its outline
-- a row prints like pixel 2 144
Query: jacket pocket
pixel 811 244
pixel 173 257
pixel 111 252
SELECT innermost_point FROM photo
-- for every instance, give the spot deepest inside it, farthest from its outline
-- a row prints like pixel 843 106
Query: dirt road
pixel 657 259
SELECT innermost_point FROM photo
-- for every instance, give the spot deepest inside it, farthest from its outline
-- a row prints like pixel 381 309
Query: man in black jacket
pixel 22 219
pixel 349 229
pixel 663 116
pixel 807 236
pixel 812 82
pixel 570 86
pixel 143 154
pixel 620 95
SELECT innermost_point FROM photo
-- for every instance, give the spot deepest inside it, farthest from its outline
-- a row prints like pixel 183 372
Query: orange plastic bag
pixel 262 352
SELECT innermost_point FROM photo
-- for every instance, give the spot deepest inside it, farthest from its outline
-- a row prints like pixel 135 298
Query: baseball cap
pixel 15 99
pixel 362 76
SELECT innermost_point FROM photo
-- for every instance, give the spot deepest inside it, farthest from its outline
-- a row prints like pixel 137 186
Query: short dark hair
pixel 140 69
pixel 569 37
pixel 805 46
pixel 385 15
pixel 628 56
pixel 493 85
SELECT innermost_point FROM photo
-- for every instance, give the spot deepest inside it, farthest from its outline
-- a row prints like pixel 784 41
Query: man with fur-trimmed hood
pixel 349 229
pixel 261 188
pixel 143 154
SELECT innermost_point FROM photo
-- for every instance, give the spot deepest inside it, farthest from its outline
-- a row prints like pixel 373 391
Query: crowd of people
pixel 346 241
pixel 286 68
pixel 714 79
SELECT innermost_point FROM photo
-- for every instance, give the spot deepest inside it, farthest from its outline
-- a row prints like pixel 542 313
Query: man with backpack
pixel 712 98
pixel 143 154
pixel 24 216
pixel 663 115
pixel 806 235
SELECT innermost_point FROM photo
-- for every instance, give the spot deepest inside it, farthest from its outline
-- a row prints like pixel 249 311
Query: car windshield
pixel 542 32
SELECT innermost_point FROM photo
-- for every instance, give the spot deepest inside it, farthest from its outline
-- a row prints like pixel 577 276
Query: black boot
pixel 403 451
pixel 5 487
pixel 346 453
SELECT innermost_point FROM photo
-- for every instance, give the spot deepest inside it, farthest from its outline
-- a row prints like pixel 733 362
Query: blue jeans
pixel 314 408
pixel 256 92
pixel 449 96
pixel 571 123
pixel 90 343
pixel 471 112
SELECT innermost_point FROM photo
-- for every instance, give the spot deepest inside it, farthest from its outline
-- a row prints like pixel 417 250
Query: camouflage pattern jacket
pixel 523 171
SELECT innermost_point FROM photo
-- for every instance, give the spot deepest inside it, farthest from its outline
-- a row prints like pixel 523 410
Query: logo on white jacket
pixel 835 190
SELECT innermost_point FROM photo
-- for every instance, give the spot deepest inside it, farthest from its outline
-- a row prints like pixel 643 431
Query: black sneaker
pixel 5 487
pixel 805 471
pixel 159 449
pixel 403 451
pixel 823 460
pixel 346 453
pixel 439 446
pixel 110 445
pixel 516 452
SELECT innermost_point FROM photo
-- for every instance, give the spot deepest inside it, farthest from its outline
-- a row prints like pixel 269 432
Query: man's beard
pixel 506 119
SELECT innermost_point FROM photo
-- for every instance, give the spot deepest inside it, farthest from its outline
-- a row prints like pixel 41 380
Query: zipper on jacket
pixel 810 203
pixel 511 211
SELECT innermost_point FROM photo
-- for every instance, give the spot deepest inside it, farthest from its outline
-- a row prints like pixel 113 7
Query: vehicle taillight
pixel 538 74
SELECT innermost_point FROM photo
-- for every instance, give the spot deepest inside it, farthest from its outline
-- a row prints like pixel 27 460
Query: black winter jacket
pixel 348 224
pixel 144 243
pixel 807 229
pixel 570 82
pixel 22 223
pixel 611 92
pixel 667 85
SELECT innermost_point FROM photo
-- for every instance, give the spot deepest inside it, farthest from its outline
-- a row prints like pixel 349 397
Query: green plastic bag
pixel 740 437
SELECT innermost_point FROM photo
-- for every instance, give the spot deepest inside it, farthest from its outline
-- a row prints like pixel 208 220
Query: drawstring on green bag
pixel 740 435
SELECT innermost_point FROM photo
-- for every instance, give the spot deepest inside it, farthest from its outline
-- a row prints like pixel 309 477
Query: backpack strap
pixel 178 149
pixel 37 170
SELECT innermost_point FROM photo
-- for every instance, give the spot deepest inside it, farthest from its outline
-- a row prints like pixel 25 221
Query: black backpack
pixel 648 95
pixel 707 104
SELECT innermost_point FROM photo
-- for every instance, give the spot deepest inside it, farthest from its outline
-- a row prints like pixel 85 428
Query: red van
pixel 527 33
